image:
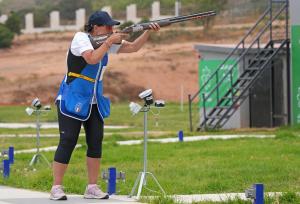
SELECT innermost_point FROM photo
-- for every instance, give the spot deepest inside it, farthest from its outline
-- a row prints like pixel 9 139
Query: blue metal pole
pixel 11 155
pixel 259 193
pixel 112 178
pixel 6 168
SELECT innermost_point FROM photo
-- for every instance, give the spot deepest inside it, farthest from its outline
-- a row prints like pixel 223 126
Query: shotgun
pixel 98 40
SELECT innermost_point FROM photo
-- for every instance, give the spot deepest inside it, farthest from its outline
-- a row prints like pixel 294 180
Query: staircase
pixel 261 38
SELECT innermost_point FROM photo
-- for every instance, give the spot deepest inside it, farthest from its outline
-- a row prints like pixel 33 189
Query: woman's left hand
pixel 155 26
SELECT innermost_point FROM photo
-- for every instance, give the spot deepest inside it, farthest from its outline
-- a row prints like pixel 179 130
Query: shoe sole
pixel 94 197
pixel 61 198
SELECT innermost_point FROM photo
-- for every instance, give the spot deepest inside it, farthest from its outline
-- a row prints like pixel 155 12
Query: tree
pixel 13 23
pixel 67 8
pixel 6 36
pixel 206 5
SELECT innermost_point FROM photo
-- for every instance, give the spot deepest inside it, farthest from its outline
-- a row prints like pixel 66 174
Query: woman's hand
pixel 155 26
pixel 116 38
pixel 128 47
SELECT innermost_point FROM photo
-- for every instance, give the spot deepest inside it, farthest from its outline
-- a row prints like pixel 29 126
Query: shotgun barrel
pixel 168 21
pixel 98 40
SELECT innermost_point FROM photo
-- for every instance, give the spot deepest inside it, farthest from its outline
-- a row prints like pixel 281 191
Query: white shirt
pixel 82 43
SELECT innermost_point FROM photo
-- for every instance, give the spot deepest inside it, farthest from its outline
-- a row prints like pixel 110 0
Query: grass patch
pixel 14 114
pixel 211 166
pixel 171 118
pixel 160 200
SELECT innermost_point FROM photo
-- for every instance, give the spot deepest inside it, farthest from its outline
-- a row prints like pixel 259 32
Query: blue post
pixel 6 168
pixel 259 193
pixel 180 136
pixel 112 180
pixel 11 155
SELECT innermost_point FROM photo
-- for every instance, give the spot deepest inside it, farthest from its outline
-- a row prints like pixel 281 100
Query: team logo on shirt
pixel 78 107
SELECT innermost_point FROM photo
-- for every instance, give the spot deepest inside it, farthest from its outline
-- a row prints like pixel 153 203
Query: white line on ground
pixel 164 140
pixel 49 125
pixel 44 149
pixel 194 138
pixel 157 133
pixel 28 135
pixel 216 197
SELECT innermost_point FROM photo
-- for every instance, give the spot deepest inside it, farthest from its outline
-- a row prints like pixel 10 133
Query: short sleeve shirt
pixel 82 43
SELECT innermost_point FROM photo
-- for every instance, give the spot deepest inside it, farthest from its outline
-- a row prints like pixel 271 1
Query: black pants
pixel 69 129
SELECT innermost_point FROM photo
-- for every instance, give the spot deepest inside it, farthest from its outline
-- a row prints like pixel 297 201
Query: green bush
pixel 6 36
pixel 14 23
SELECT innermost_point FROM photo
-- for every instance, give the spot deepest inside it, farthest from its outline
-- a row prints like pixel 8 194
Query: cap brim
pixel 113 22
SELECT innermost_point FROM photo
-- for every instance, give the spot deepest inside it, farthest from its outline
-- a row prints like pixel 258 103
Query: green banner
pixel 295 74
pixel 206 69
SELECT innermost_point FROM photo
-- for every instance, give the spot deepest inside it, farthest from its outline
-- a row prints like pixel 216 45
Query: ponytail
pixel 88 28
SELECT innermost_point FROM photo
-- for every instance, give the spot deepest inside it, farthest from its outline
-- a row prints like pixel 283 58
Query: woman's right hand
pixel 116 38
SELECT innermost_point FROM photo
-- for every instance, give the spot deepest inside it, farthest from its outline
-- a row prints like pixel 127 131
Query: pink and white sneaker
pixel 94 192
pixel 57 193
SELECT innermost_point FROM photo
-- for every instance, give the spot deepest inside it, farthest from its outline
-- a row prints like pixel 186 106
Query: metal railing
pixel 242 51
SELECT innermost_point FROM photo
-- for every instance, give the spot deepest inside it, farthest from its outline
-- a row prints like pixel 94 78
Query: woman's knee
pixel 94 150
pixel 67 142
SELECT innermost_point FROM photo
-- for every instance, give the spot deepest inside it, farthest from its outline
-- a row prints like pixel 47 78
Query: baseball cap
pixel 102 18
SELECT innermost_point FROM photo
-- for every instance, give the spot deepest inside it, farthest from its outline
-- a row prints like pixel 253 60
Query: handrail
pixel 265 64
pixel 246 51
pixel 233 51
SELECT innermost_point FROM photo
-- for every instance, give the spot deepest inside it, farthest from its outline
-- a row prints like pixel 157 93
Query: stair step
pixel 222 107
pixel 226 98
pixel 258 62
pixel 216 116
pixel 252 69
pixel 279 1
pixel 278 41
pixel 245 78
pixel 240 88
pixel 267 49
pixel 229 98
pixel 233 98
pixel 259 59
pixel 267 53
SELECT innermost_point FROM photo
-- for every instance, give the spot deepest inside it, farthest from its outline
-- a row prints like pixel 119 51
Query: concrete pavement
pixel 10 195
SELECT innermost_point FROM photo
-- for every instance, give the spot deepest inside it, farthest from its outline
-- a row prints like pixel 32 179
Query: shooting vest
pixel 83 82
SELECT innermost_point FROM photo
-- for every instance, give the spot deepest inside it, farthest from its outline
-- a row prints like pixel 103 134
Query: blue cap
pixel 102 18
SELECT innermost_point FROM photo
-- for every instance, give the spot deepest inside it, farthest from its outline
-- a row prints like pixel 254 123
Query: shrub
pixel 6 36
pixel 14 23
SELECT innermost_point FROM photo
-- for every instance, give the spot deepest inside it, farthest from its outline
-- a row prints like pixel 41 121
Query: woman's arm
pixel 94 56
pixel 128 47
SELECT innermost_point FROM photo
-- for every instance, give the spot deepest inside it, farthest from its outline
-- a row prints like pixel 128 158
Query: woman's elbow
pixel 89 58
pixel 91 61
pixel 135 48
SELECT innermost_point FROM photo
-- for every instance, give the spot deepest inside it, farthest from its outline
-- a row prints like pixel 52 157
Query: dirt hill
pixel 35 65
